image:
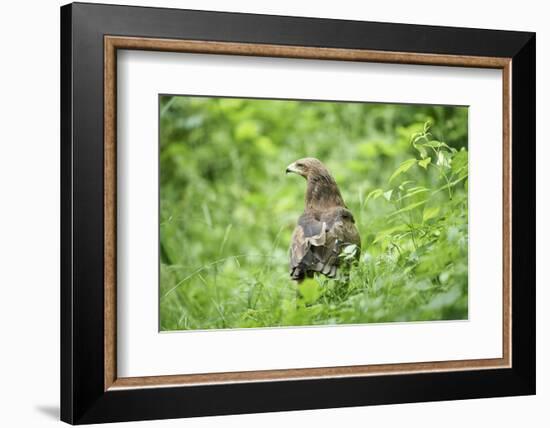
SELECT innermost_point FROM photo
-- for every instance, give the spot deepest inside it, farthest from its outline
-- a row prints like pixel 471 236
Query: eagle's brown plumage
pixel 326 226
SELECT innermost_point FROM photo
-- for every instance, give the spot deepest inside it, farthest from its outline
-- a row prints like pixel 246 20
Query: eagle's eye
pixel 300 165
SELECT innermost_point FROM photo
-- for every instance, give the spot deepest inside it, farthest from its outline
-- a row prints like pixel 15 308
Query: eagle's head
pixel 322 191
pixel 308 167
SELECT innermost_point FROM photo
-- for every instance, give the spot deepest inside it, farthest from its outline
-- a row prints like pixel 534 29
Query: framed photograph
pixel 265 213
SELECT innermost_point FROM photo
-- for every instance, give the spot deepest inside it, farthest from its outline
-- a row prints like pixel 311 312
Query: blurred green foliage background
pixel 227 211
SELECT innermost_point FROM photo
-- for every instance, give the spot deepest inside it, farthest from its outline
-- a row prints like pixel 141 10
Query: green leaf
pixel 434 144
pixel 387 232
pixel 459 162
pixel 388 194
pixel 416 188
pixel 425 162
pixel 421 150
pixel 374 194
pixel 408 208
pixel 404 167
pixel 430 212
pixel 415 137
pixel 451 184
pixel 443 160
pixel 414 191
pixel 404 184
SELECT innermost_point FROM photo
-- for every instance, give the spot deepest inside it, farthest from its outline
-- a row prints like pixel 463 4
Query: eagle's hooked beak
pixel 292 168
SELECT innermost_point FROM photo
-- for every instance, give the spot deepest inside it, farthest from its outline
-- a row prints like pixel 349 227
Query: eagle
pixel 326 226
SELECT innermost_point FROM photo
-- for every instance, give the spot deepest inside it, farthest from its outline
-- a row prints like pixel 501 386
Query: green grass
pixel 228 211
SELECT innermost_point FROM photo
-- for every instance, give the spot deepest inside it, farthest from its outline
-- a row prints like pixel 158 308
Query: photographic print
pixel 280 213
pixel 311 198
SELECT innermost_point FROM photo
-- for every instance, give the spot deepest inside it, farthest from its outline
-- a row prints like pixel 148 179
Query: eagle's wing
pixel 317 242
pixel 348 232
pixel 308 232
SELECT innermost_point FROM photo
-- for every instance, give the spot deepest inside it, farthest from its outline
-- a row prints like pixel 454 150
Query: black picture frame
pixel 83 398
